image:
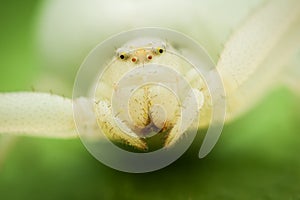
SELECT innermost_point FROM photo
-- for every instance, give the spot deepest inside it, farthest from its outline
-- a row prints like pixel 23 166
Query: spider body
pixel 151 108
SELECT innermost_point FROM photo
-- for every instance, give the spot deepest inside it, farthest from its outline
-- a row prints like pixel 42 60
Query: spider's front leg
pixel 191 109
pixel 110 125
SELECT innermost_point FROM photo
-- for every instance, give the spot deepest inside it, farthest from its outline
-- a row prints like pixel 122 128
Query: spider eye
pixel 134 59
pixel 149 57
pixel 123 56
pixel 160 50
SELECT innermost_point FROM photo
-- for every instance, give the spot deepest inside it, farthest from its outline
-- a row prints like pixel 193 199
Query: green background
pixel 257 156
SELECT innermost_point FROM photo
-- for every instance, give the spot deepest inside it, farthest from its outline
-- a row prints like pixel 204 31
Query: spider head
pixel 141 52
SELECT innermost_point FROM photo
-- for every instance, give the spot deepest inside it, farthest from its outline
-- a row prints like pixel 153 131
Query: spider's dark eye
pixel 123 56
pixel 160 50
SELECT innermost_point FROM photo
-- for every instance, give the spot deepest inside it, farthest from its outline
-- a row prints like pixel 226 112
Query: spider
pixel 245 61
pixel 152 108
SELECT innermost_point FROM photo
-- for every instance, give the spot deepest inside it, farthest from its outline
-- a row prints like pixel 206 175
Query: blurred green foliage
pixel 17 63
pixel 257 156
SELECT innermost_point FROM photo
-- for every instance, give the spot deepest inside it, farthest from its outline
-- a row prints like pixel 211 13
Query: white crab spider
pixel 146 115
pixel 255 54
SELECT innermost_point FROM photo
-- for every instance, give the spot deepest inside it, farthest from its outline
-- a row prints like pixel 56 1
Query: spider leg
pixel 111 127
pixel 184 123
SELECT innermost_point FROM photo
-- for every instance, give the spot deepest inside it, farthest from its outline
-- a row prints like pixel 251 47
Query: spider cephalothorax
pixel 151 108
pixel 141 54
